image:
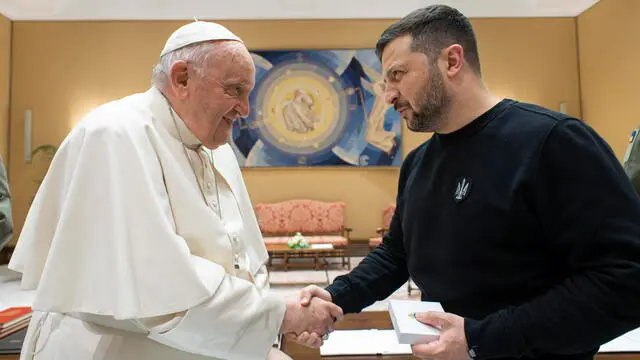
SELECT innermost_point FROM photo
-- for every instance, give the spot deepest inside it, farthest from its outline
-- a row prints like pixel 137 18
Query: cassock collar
pixel 162 111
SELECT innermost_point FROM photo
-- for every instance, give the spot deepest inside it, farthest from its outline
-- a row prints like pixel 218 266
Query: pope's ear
pixel 179 78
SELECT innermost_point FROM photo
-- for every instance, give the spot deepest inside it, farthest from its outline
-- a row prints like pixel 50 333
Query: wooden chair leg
pixel 286 262
pixel 347 261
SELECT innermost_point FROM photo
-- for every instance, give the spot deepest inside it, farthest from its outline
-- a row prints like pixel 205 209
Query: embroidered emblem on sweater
pixel 463 188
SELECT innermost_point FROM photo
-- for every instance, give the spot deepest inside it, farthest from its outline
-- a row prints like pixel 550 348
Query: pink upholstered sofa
pixel 318 221
pixel 387 214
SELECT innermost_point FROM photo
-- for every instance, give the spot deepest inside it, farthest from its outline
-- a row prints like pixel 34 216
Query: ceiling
pixel 58 10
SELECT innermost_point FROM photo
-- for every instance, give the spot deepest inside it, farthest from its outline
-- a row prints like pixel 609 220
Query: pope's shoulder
pixel 130 115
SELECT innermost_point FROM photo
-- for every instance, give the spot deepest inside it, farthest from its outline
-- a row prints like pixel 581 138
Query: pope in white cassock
pixel 141 242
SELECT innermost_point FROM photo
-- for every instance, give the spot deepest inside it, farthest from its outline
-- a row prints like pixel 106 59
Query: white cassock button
pixel 209 185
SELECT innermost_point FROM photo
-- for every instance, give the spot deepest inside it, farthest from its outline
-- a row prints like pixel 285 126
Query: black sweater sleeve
pixel 384 269
pixel 591 216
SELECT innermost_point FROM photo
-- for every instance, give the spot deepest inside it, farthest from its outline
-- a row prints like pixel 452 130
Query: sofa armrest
pixel 346 231
pixel 381 231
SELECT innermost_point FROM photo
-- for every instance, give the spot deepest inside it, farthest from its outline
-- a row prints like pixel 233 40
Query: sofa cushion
pixel 336 241
pixel 305 216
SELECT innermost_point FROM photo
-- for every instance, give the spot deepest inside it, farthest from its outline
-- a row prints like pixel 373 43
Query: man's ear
pixel 179 78
pixel 454 59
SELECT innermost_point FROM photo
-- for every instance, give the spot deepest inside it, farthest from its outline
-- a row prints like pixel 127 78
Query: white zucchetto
pixel 196 32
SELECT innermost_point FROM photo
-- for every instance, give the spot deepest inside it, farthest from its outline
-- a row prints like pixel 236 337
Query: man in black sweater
pixel 518 219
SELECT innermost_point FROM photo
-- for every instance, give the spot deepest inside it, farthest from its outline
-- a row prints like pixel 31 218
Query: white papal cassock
pixel 143 245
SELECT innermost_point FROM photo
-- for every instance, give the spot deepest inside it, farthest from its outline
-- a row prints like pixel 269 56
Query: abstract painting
pixel 318 108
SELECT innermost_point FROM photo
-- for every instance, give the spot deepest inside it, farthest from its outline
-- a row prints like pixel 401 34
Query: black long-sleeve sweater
pixel 524 223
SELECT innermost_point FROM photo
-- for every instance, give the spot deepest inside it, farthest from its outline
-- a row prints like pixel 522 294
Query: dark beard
pixel 433 107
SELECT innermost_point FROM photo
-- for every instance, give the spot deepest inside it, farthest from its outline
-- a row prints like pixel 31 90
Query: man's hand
pixel 317 317
pixel 307 338
pixel 452 344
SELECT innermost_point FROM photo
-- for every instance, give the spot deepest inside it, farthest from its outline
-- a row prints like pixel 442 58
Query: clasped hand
pixel 313 316
pixel 308 336
pixel 452 344
pixel 316 316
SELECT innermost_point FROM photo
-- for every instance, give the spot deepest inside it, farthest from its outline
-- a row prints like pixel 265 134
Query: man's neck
pixel 467 106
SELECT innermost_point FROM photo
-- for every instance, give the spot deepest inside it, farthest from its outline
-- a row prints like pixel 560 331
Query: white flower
pixel 297 241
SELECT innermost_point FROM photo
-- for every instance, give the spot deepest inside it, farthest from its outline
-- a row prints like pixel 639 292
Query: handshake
pixel 309 319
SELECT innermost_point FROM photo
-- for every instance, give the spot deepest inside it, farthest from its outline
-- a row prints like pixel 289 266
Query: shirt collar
pixel 170 120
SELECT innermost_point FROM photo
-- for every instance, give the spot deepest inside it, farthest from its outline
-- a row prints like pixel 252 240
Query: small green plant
pixel 48 149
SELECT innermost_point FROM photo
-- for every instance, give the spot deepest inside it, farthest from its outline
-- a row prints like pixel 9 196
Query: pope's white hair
pixel 197 54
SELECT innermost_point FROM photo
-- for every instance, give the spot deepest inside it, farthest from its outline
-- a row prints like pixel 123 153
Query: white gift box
pixel 408 329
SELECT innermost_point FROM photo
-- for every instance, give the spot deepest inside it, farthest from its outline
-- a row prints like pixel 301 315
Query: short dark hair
pixel 432 29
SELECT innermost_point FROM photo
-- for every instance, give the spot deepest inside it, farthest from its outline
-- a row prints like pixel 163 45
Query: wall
pixel 5 83
pixel 608 52
pixel 62 69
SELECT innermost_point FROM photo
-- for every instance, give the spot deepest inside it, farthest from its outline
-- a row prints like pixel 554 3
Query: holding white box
pixel 408 329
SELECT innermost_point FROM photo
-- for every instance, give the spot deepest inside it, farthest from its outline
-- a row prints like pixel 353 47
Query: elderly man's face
pixel 220 94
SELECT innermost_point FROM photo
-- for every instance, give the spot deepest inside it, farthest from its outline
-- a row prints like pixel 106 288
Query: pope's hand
pixel 452 344
pixel 307 338
pixel 317 317
pixel 312 291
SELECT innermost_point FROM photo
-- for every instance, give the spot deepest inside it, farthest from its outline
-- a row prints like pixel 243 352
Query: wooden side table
pixel 319 255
